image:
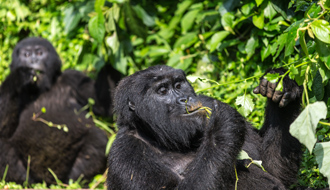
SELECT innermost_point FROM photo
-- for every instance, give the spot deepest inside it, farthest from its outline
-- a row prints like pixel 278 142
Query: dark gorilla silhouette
pixel 36 81
pixel 166 141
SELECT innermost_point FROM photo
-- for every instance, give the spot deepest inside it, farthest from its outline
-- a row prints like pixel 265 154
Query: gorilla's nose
pixel 183 100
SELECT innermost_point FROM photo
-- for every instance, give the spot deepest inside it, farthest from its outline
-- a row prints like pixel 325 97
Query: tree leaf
pixel 280 6
pixel 98 5
pixel 317 87
pixel 146 18
pixel 259 2
pixel 269 11
pixel 243 155
pixel 321 30
pixel 303 42
pixel 188 20
pixel 258 20
pixel 251 45
pixel 217 38
pixel 227 21
pixel 272 77
pixel 304 127
pixel 186 40
pixel 322 156
pixel 324 52
pixel 291 38
pixel 246 104
pixel 96 27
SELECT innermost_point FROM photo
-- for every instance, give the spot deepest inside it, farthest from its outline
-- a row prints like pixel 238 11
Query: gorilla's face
pixel 33 57
pixel 167 104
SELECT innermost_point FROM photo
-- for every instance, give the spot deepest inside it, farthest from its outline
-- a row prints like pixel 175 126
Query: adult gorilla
pixel 166 141
pixel 35 82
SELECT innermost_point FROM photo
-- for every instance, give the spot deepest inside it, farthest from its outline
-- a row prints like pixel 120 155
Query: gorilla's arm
pixel 135 164
pixel 280 152
pixel 101 90
pixel 15 92
pixel 214 165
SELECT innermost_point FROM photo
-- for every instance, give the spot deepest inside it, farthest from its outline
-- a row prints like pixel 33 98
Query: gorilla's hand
pixel 291 91
pixel 24 76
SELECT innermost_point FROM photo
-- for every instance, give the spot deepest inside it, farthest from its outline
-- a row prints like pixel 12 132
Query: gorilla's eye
pixel 177 85
pixel 27 54
pixel 39 53
pixel 162 91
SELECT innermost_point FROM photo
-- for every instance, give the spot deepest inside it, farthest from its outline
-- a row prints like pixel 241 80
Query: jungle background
pixel 223 46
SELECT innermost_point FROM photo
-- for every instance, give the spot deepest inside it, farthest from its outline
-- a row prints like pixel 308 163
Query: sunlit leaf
pixel 322 155
pixel 321 30
pixel 246 103
pixel 188 20
pixel 243 155
pixel 272 77
pixel 258 20
pixel 304 127
pixel 217 38
pixel 96 27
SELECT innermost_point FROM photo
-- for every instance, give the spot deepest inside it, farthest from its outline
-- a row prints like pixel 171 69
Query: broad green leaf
pixel 186 40
pixel 146 18
pixel 96 27
pixel 304 127
pixel 251 45
pixel 272 77
pixel 133 22
pixel 243 155
pixel 327 6
pixel 156 51
pixel 259 2
pixel 322 156
pixel 269 11
pixel 324 71
pixel 279 86
pixel 98 5
pixel 247 8
pixel 188 20
pixel 227 21
pixel 291 38
pixel 281 7
pixel 71 19
pixel 258 20
pixel 265 52
pixel 317 87
pixel 281 40
pixel 113 43
pixel 246 104
pixel 313 11
pixel 293 72
pixel 217 38
pixel 321 30
pixel 324 52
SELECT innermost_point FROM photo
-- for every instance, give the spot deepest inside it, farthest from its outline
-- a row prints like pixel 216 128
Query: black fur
pixel 36 81
pixel 165 142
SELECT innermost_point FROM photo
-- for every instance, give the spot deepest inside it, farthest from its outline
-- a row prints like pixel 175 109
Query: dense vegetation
pixel 223 46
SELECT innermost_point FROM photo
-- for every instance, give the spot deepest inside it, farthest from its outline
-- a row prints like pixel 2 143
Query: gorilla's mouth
pixel 193 108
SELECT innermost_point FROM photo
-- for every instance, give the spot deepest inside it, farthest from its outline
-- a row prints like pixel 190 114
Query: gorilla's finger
pixel 270 89
pixel 277 96
pixel 263 87
pixel 286 99
pixel 256 90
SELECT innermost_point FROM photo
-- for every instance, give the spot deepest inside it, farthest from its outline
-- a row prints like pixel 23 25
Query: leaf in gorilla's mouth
pixel 197 108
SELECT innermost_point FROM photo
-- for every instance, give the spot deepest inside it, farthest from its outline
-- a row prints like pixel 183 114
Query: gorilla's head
pixel 160 103
pixel 39 55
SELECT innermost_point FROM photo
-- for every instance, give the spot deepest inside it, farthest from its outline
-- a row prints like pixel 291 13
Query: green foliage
pixel 224 47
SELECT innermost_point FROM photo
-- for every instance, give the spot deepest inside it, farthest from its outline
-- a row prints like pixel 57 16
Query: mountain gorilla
pixel 35 82
pixel 167 141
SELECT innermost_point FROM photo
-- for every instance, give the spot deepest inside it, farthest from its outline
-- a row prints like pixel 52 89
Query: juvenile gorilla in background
pixel 36 81
pixel 166 141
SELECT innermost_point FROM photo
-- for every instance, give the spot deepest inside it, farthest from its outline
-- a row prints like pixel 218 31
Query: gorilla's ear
pixel 131 105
